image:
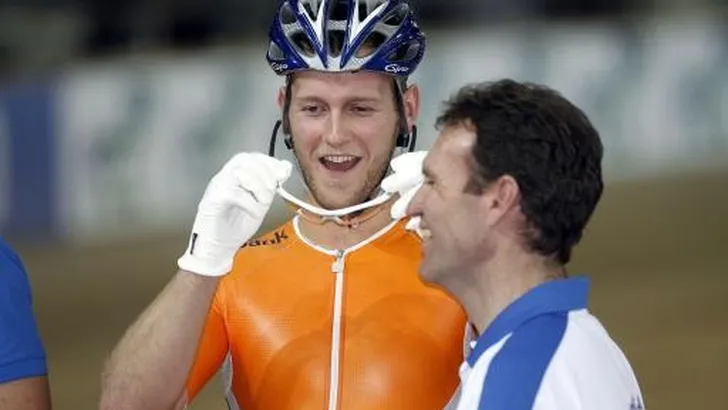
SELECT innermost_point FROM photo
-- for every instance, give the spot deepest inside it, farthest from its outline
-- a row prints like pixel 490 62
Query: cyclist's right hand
pixel 231 211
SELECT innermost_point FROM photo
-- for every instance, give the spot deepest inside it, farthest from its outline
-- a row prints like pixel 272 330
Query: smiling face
pixel 455 236
pixel 344 127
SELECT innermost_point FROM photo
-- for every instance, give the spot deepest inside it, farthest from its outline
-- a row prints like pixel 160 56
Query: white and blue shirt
pixel 545 351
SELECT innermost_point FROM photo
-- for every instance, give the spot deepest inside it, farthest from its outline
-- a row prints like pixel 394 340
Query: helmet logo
pixel 277 67
pixel 396 69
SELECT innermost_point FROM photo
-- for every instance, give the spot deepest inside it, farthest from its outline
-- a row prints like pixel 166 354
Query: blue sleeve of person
pixel 22 354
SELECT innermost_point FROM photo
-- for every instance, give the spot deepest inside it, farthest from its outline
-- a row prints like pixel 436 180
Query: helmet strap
pixel 351 221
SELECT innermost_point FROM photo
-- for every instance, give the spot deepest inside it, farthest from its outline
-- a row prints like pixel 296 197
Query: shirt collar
pixel 560 295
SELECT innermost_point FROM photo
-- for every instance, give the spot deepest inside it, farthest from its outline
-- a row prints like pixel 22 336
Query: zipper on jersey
pixel 337 267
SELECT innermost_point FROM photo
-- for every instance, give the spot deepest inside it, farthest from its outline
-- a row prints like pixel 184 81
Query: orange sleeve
pixel 211 351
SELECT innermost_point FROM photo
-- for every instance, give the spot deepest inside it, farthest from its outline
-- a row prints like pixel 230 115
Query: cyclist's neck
pixel 330 234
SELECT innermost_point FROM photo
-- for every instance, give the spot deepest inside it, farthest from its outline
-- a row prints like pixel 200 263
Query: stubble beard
pixel 374 177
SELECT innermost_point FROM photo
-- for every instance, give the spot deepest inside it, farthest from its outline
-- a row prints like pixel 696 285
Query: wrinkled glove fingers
pixel 245 204
pixel 279 170
pixel 413 224
pixel 400 182
pixel 262 180
pixel 399 208
pixel 408 160
pixel 407 172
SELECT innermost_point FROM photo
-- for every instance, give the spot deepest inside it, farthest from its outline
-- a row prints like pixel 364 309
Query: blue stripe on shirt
pixel 516 372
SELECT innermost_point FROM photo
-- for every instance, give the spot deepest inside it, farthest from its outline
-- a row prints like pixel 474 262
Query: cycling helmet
pixel 345 35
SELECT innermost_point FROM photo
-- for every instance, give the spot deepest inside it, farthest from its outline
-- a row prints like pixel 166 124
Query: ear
pixel 281 97
pixel 411 101
pixel 501 198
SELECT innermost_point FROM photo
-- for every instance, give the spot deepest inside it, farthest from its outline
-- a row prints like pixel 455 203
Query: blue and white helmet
pixel 345 35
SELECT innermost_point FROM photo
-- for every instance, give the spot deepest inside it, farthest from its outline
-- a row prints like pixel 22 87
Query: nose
pixel 336 133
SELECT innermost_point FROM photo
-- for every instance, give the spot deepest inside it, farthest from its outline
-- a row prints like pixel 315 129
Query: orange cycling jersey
pixel 301 327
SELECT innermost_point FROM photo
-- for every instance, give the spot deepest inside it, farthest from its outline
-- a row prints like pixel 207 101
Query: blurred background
pixel 114 115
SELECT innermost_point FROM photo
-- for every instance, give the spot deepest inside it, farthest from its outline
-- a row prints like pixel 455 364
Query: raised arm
pixel 149 366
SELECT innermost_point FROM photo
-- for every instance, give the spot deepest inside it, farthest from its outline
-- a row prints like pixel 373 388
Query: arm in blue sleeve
pixel 22 354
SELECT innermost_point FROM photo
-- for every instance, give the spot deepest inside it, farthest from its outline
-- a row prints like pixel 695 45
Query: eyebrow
pixel 308 98
pixel 366 99
pixel 359 99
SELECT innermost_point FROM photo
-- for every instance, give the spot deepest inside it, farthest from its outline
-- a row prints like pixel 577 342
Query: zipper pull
pixel 338 265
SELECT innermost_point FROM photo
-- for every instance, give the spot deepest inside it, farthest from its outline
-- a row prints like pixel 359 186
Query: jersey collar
pixel 556 296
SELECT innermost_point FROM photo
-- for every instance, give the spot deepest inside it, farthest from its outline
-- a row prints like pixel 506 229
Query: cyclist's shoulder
pixel 264 252
pixel 271 243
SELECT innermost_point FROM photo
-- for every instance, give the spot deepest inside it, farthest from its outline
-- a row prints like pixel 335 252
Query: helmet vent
pixel 287 16
pixel 363 12
pixel 338 10
pixel 374 40
pixel 302 43
pixel 405 52
pixel 396 16
pixel 336 42
pixel 366 7
pixel 311 7
pixel 275 52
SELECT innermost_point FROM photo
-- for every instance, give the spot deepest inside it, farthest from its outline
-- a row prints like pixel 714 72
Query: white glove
pixel 231 211
pixel 406 180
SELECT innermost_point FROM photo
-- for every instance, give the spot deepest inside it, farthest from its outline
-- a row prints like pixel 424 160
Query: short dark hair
pixel 547 144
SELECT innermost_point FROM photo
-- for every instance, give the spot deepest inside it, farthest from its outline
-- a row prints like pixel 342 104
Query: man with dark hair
pixel 509 186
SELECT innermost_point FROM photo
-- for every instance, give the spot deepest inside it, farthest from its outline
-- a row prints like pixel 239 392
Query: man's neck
pixel 332 235
pixel 490 289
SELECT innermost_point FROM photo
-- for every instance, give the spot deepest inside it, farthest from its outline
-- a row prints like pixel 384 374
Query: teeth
pixel 339 158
